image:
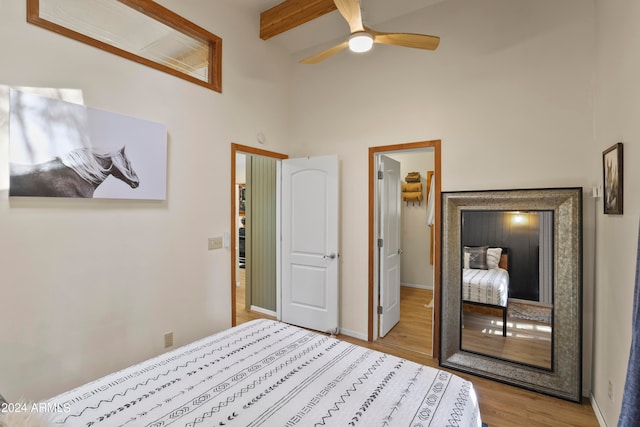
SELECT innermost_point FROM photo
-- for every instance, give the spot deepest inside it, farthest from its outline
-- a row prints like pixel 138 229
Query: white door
pixel 389 243
pixel 309 226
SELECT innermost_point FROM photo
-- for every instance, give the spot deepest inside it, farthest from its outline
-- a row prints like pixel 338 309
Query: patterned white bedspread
pixel 485 286
pixel 266 373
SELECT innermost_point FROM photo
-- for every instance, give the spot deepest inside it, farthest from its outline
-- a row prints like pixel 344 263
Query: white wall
pixel 90 286
pixel 617 107
pixel 509 92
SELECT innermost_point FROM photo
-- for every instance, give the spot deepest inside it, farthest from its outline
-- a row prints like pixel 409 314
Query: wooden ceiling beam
pixel 291 13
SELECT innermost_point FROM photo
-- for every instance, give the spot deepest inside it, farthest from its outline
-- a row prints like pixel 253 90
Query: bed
pixel 485 279
pixel 268 373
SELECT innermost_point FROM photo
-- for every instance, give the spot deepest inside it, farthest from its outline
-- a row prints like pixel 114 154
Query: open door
pixel 309 218
pixel 389 248
pixel 238 176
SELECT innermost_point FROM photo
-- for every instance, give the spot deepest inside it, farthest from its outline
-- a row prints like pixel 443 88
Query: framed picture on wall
pixel 63 149
pixel 612 179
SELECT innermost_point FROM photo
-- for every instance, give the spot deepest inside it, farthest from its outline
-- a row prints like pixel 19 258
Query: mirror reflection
pixel 507 285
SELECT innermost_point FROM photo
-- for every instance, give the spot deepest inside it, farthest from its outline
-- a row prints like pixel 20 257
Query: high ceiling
pixel 331 28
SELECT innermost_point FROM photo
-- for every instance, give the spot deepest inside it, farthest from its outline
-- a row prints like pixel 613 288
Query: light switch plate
pixel 215 243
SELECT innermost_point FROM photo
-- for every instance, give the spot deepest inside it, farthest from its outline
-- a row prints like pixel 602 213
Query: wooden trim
pixel 160 14
pixel 33 11
pixel 234 234
pixel 437 258
pixel 290 14
pixel 435 144
pixel 370 243
pixel 252 150
pixel 235 149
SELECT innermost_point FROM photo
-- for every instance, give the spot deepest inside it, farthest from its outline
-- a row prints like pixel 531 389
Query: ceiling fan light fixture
pixel 360 42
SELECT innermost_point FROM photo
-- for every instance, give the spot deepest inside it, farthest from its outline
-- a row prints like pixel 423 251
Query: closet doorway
pixel 253 233
pixel 418 328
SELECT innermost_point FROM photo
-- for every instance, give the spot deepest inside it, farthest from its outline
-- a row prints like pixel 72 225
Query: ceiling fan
pixel 363 38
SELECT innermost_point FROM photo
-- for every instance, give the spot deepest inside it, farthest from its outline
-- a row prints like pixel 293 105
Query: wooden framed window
pixel 139 30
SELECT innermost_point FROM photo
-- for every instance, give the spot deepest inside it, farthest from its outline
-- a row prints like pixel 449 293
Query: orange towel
pixel 413 177
pixel 414 196
pixel 413 187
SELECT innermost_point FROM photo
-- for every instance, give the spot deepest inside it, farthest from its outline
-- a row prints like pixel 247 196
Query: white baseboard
pixel 353 334
pixel 596 410
pixel 412 285
pixel 263 311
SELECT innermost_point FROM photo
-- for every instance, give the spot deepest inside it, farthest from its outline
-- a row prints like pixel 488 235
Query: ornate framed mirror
pixel 512 287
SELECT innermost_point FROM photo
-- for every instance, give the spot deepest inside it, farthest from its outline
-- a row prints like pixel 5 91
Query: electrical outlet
pixel 215 243
pixel 610 390
pixel 168 339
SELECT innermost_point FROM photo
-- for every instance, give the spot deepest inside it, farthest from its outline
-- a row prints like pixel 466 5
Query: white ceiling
pixel 332 29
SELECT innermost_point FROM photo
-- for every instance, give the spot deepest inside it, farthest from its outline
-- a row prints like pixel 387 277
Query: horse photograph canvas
pixel 61 149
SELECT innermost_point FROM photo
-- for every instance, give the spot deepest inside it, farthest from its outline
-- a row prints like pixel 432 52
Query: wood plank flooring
pixel 527 341
pixel 501 405
pixel 414 330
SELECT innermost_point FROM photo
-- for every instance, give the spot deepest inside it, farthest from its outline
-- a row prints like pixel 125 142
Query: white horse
pixel 77 174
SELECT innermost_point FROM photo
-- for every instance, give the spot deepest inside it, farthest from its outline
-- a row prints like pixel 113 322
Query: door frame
pixel 373 291
pixel 244 149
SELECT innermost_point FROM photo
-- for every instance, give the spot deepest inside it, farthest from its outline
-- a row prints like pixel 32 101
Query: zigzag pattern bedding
pixel 485 286
pixel 266 373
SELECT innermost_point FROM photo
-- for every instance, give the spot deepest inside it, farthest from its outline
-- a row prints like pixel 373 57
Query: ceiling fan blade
pixel 324 54
pixel 350 10
pixel 418 41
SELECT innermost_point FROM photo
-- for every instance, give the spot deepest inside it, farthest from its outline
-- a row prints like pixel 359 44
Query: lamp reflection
pixel 519 219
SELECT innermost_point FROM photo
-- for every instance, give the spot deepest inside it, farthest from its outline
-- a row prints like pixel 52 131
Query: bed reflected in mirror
pixel 507 285
pixel 526 330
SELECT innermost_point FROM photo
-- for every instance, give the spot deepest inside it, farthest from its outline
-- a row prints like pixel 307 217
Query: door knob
pixel 400 251
pixel 330 256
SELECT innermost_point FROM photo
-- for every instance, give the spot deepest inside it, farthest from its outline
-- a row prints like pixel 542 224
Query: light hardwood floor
pixel 413 332
pixel 527 341
pixel 501 405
